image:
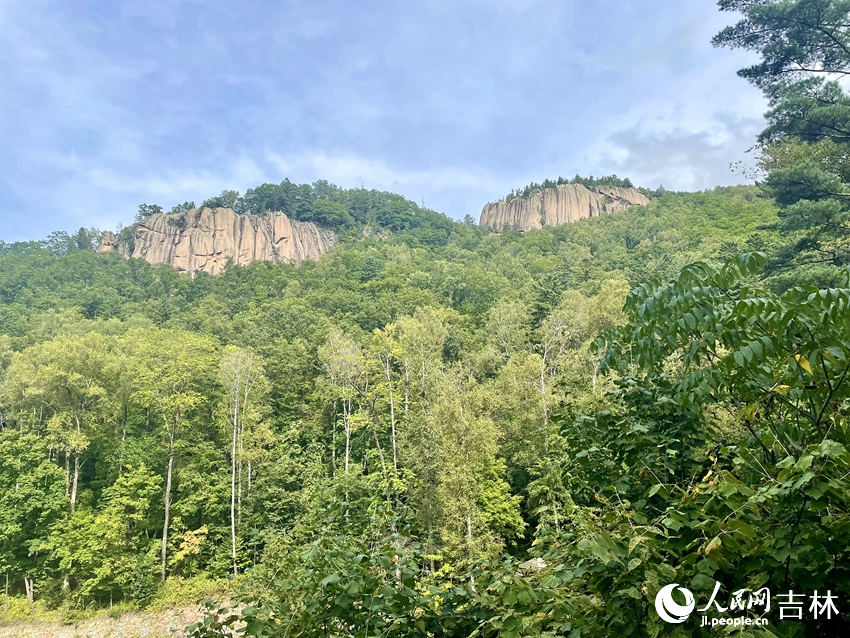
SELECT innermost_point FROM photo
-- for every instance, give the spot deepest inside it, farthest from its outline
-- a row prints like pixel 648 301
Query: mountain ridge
pixel 206 239
pixel 561 204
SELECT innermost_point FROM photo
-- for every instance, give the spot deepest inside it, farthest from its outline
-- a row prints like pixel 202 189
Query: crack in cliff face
pixel 204 240
pixel 563 204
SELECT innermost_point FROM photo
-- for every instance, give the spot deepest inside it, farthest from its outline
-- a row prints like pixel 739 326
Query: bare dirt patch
pixel 168 624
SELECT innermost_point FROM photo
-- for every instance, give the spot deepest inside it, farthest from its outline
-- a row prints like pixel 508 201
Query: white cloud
pixel 683 159
pixel 107 105
pixel 174 185
pixel 350 171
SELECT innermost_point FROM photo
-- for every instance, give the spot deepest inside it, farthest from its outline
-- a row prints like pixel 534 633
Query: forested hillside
pixel 427 380
pixel 433 431
pixel 380 438
pixel 344 210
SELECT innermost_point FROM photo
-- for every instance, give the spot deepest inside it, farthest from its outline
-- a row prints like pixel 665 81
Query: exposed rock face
pixel 108 243
pixel 560 205
pixel 204 240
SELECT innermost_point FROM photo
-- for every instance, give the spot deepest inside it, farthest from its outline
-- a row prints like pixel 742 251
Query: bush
pixel 180 592
pixel 18 609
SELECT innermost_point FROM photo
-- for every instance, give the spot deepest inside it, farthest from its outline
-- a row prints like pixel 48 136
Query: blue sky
pixel 108 104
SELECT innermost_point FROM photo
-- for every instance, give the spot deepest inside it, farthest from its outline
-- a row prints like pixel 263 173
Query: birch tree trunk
pixel 29 586
pixel 233 495
pixel 333 440
pixel 406 389
pixel 67 474
pixel 239 373
pixel 388 372
pixel 75 483
pixel 469 538
pixel 346 420
pixel 167 503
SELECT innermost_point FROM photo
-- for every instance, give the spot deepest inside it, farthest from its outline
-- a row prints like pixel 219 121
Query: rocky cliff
pixel 559 205
pixel 109 244
pixel 204 240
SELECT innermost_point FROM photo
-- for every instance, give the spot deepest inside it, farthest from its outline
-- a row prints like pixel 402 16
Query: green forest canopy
pixel 323 203
pixel 608 180
pixel 371 443
pixel 400 399
pixel 113 373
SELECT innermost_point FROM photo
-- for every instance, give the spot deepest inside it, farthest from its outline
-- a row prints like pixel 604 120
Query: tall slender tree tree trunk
pixel 543 395
pixel 67 474
pixel 239 372
pixel 76 469
pixel 380 452
pixel 388 372
pixel 167 503
pixel 333 440
pixel 346 416
pixel 347 446
pixel 430 546
pixel 75 483
pixel 406 389
pixel 233 489
pixel 240 438
pixel 29 586
pixel 469 540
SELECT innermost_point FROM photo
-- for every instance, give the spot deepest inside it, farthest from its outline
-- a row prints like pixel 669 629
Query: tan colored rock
pixel 203 240
pixel 109 244
pixel 559 205
pixel 530 566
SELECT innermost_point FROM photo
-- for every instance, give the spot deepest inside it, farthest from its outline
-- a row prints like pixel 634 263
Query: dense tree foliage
pixel 805 52
pixel 403 395
pixel 376 443
pixel 608 180
pixel 327 205
pixel 717 456
pixel 59 243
